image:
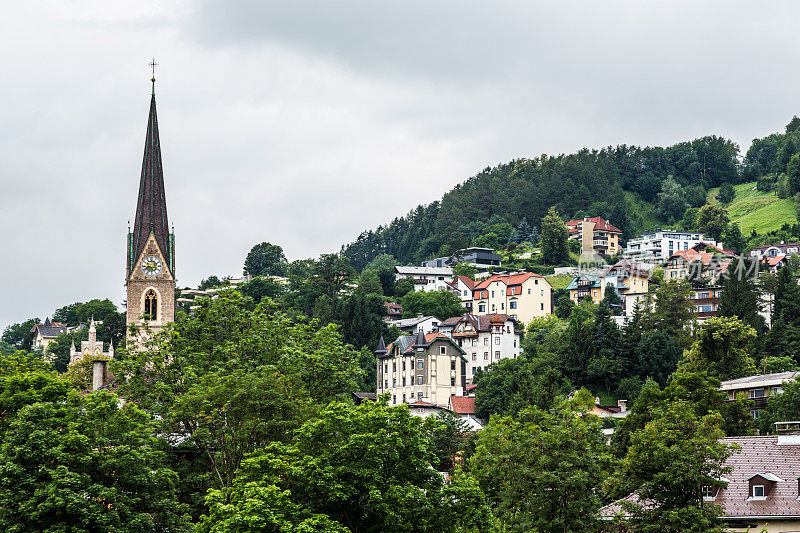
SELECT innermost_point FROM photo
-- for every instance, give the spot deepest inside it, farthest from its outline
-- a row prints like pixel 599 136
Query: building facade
pixel 485 339
pixel 596 235
pixel 44 334
pixel 631 283
pixel 523 296
pixel 759 388
pixel 462 286
pixel 480 258
pixel 150 251
pixel 412 326
pixel 657 247
pixel 428 368
pixel 773 250
pixel 426 278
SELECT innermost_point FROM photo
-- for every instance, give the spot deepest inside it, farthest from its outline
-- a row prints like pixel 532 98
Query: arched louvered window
pixel 151 304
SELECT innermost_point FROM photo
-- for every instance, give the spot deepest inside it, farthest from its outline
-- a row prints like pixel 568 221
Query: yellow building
pixel 523 296
pixel 586 287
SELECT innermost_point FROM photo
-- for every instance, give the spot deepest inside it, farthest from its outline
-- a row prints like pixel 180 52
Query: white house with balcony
pixel 426 278
pixel 658 246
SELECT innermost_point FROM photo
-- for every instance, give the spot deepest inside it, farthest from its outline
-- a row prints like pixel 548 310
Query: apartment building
pixel 631 283
pixel 759 388
pixel 774 250
pixel 596 235
pixel 423 368
pixel 586 287
pixel 523 295
pixel 697 263
pixel 486 339
pixel 706 301
pixel 657 247
pixel 425 278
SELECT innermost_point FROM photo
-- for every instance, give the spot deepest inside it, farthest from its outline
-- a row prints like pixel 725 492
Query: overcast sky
pixel 304 122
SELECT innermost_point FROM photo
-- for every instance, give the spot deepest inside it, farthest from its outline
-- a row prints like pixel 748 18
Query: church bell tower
pixel 150 261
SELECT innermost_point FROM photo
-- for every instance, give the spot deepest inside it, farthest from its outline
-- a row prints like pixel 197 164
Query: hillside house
pixel 428 368
pixel 481 258
pixel 46 333
pixel 523 295
pixel 758 388
pixel 596 235
pixel 631 282
pixel 773 250
pixel 425 278
pixel 586 286
pixel 657 247
pixel 412 326
pixel 694 264
pixel 462 286
pixel 486 339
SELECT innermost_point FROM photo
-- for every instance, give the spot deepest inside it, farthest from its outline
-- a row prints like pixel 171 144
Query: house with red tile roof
pixel 486 339
pixel 464 408
pixel 522 295
pixel 694 264
pixel 762 492
pixel 596 235
pixel 423 367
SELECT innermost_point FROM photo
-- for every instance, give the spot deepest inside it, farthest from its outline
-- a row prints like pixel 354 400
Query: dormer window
pixel 710 493
pixel 761 485
pixel 758 491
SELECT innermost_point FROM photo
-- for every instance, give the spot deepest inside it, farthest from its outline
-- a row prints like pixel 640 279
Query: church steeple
pixel 151 207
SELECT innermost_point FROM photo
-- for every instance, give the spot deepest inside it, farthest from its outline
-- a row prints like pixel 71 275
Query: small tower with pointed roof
pixel 150 252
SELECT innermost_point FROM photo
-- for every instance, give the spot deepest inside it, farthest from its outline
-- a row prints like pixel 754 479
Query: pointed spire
pixel 381 350
pixel 47 322
pixel 151 207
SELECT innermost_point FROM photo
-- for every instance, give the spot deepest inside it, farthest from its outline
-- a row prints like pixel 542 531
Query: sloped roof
pixel 599 224
pixel 430 271
pixel 420 403
pixel 705 258
pixel 773 261
pixel 50 330
pixel 463 405
pixel 480 323
pixel 761 380
pixel 508 279
pixel 757 455
pixel 469 282
pixel 407 343
pixel 630 269
pixel 409 322
pixel 588 277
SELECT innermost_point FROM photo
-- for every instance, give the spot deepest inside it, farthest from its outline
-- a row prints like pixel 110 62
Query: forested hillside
pixel 627 185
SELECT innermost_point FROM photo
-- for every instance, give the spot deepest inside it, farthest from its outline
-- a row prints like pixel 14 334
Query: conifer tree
pixel 739 294
pixel 785 332
pixel 554 238
pixel 524 231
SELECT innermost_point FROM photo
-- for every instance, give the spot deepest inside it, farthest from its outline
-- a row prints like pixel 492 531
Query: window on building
pixel 502 306
pixel 419 380
pixel 404 364
pixel 485 356
pixel 394 382
pixel 386 368
pixel 757 393
pixel 529 291
pixel 486 341
pixel 151 304
pixel 512 305
pixel 515 343
pixel 419 395
pixel 474 356
pixel 497 355
pixel 452 382
pixel 758 491
pixel 420 410
pixel 386 384
pixel 404 382
pixel 594 293
pixel 452 365
pixel 420 363
pixel 474 342
pixel 497 340
pixel 394 398
pixel 536 282
pixel 542 292
pixel 394 366
pixel 473 370
pixel 542 306
pixel 492 294
pixel 442 350
pixel 482 308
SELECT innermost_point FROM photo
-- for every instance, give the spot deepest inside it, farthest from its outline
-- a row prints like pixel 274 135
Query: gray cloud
pixel 303 123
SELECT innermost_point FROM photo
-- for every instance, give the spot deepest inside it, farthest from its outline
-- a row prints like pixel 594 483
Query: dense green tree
pixel 511 385
pixel 369 283
pixel 265 259
pixel 740 297
pixel 261 287
pixel 563 303
pixel 578 345
pixel 441 304
pixel 612 300
pixel 733 238
pixel 554 239
pixel 211 282
pixel 110 321
pixel 657 356
pixel 674 311
pixel 447 434
pixel 695 195
pixel 213 364
pixel 20 336
pixel 361 319
pixel 383 266
pixel 606 365
pixel 726 193
pixel 553 489
pixel 784 335
pixel 671 200
pixel 712 220
pixel 403 286
pixel 721 349
pixel 59 349
pixel 364 468
pixel 669 462
pixel 25 386
pixel 87 464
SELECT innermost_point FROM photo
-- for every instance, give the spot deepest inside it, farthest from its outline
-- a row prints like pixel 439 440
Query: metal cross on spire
pixel 153 65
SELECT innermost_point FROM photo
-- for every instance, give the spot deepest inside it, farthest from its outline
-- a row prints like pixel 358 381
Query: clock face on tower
pixel 151 265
